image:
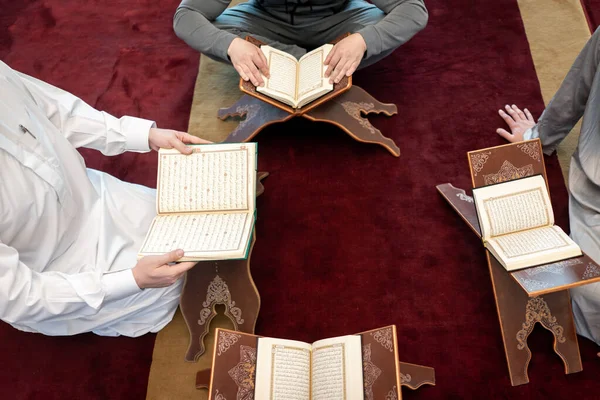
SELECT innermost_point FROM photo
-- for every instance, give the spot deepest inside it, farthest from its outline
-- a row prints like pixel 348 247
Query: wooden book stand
pixel 412 376
pixel 228 283
pixel 533 295
pixel 343 107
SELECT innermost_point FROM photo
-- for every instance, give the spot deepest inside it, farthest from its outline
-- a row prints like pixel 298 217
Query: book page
pixel 216 177
pixel 513 206
pixel 532 241
pixel 283 68
pixel 199 235
pixel 312 72
pixel 337 372
pixel 282 370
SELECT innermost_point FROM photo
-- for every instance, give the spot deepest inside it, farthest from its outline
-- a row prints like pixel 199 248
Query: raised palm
pixel 518 122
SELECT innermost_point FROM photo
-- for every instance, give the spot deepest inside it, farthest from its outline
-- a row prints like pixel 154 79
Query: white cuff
pixel 531 133
pixel 136 131
pixel 120 284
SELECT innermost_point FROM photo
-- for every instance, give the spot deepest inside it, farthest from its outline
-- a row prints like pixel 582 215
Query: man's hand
pixel 518 121
pixel 170 139
pixel 155 271
pixel 249 61
pixel 344 58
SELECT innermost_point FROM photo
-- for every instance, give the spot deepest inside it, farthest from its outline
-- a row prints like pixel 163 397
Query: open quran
pixel 296 85
pixel 205 202
pixel 517 224
pixel 361 366
pixel 296 82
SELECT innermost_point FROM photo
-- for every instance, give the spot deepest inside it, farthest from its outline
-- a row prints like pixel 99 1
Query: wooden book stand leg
pixel 518 314
pixel 344 111
pixel 228 283
pixel 258 115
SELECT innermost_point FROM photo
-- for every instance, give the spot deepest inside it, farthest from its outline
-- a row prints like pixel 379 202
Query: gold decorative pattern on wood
pixel 532 285
pixel 385 338
pixel 531 149
pixel 392 394
pixel 249 110
pixel 218 293
pixel 478 160
pixel 558 268
pixel 370 372
pixel 405 378
pixel 508 172
pixel 591 271
pixel 226 340
pixel 464 197
pixel 354 110
pixel 537 310
pixel 219 396
pixel 244 372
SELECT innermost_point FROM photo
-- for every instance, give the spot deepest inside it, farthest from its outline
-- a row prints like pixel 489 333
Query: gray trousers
pixel 307 33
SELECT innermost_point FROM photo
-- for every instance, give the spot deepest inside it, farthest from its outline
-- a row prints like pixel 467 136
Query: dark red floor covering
pixel 349 237
pixel 120 56
pixel 591 9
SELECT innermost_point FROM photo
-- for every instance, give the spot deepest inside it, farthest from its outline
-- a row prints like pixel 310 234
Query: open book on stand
pixel 353 367
pixel 517 224
pixel 514 209
pixel 295 84
pixel 205 201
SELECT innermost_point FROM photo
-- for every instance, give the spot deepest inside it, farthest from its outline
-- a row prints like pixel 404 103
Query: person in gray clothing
pixel 578 96
pixel 294 26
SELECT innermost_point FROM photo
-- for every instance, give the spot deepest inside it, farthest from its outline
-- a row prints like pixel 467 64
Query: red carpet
pixel 592 13
pixel 120 56
pixel 349 237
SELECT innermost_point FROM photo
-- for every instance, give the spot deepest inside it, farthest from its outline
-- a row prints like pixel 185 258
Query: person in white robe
pixel 69 236
pixel 577 97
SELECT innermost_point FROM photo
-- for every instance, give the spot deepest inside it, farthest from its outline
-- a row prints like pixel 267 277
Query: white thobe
pixel 69 236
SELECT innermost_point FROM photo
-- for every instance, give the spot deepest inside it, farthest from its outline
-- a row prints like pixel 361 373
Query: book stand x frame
pixel 228 283
pixel 343 107
pixel 533 295
pixel 344 111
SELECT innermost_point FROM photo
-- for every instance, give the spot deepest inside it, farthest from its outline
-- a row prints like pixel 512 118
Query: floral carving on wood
pixel 464 197
pixel 591 271
pixel 385 338
pixel 537 310
pixel 532 149
pixel 370 372
pixel 226 340
pixel 219 396
pixel 556 268
pixel 508 172
pixel 392 394
pixel 405 378
pixel 218 293
pixel 250 111
pixel 243 373
pixel 354 110
pixel 478 160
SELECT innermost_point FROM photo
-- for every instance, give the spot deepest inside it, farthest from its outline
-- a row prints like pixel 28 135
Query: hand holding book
pixel 248 61
pixel 344 58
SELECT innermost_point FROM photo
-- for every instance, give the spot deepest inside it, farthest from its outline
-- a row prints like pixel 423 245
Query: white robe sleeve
pixel 29 298
pixel 84 126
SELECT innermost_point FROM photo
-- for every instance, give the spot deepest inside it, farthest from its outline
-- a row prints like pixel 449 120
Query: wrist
pixel 231 45
pixel 151 133
pixel 138 279
pixel 362 41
